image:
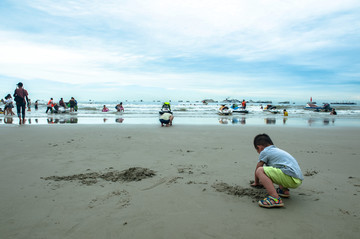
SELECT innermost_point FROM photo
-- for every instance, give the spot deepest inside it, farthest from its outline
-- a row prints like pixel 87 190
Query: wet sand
pixel 130 181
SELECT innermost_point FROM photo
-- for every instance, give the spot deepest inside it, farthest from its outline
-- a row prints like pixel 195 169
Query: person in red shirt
pixel 50 105
pixel 243 104
pixel 20 95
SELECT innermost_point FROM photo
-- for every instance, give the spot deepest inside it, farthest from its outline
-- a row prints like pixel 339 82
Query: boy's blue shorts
pixel 164 121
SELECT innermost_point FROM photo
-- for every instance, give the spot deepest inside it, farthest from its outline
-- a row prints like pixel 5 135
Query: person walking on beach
pixel 36 105
pixel 50 105
pixel 20 95
pixel 275 166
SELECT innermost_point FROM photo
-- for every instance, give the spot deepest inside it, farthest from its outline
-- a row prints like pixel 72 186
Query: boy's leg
pixel 266 182
pixel 284 191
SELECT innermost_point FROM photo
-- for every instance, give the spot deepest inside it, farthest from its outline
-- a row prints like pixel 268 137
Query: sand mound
pixel 254 193
pixel 131 174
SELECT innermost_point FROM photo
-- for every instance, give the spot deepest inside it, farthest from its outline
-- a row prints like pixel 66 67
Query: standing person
pixel 36 105
pixel 20 95
pixel 166 106
pixel 62 103
pixel 275 166
pixel 76 105
pixel 72 104
pixel 29 105
pixel 50 105
pixel 243 104
pixel 286 113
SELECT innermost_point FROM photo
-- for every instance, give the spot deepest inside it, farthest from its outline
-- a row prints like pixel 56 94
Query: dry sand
pixel 128 181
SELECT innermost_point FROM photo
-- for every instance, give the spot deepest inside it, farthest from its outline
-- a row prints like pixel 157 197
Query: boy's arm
pixel 257 182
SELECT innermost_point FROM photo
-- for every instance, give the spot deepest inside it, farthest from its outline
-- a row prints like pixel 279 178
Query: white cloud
pixel 137 37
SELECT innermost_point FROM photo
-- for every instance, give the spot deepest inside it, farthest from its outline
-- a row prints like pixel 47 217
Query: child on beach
pixel 8 105
pixel 275 166
pixel 105 109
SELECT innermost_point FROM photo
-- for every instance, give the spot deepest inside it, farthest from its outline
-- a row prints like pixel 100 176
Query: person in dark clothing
pixel 20 95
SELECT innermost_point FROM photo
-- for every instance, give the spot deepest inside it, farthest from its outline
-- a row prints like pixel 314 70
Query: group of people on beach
pixel 54 107
pixel 22 102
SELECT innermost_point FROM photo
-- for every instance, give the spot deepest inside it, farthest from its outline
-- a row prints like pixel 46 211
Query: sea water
pixel 197 113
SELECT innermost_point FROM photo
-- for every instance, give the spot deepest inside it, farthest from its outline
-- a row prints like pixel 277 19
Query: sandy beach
pixel 144 181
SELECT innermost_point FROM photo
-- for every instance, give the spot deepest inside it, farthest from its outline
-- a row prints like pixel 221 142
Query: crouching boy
pixel 275 166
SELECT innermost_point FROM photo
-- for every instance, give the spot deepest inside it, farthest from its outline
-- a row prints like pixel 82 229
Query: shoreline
pixel 235 120
pixel 194 192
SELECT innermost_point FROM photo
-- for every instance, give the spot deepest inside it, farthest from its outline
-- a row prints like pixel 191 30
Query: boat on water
pixel 240 110
pixel 271 109
pixel 224 110
pixel 325 108
pixel 165 108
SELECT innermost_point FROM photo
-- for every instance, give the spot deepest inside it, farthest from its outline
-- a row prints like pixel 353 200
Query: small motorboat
pixel 225 111
pixel 271 109
pixel 240 110
pixel 165 110
pixel 325 108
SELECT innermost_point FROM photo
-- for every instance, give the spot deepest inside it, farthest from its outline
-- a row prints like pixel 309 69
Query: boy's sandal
pixel 270 202
pixel 282 193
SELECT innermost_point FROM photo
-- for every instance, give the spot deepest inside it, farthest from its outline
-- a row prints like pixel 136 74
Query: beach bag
pixel 18 99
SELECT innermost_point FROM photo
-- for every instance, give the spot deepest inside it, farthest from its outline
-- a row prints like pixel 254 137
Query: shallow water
pixel 193 113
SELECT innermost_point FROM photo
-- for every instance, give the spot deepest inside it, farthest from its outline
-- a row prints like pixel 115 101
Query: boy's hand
pixel 256 185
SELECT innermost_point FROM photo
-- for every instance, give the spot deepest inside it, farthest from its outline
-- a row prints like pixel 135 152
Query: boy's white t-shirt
pixel 278 158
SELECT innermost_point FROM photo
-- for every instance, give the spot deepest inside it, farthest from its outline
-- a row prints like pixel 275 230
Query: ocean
pixel 197 113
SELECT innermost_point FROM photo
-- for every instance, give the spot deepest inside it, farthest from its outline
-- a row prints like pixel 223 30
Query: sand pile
pixel 128 175
pixel 254 193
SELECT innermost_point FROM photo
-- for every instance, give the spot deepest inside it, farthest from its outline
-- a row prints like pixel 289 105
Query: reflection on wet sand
pixel 119 120
pixel 229 120
pixel 284 120
pixel 238 120
pixel 326 121
pixel 270 120
pixel 8 120
pixel 51 120
pixel 224 120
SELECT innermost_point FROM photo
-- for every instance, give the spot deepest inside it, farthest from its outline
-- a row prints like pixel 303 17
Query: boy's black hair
pixel 262 139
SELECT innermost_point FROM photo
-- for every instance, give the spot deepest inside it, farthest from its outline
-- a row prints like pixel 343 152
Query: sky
pixel 181 49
